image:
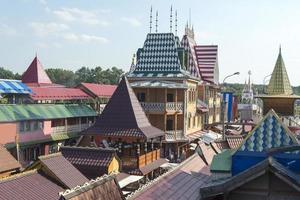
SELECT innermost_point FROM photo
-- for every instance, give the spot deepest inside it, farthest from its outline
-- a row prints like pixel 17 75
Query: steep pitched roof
pixel 92 162
pixel 279 83
pixel 207 59
pixel 7 161
pixel 35 73
pixel 269 133
pixel 159 57
pixel 28 185
pixel 62 170
pixel 105 187
pixel 98 90
pixel 124 116
pixel 188 44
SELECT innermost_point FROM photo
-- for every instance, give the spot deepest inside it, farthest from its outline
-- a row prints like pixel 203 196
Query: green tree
pixel 6 74
pixel 61 76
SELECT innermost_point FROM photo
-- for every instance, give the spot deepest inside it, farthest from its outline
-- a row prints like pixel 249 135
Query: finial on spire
pixel 150 19
pixel 279 48
pixel 171 16
pixel 156 22
pixel 190 18
pixel 176 22
pixel 36 54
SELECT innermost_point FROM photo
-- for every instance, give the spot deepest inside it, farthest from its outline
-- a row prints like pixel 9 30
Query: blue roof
pixel 13 87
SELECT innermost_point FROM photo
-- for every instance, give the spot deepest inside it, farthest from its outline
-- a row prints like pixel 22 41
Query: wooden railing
pixel 69 128
pixel 174 135
pixel 149 157
pixel 162 107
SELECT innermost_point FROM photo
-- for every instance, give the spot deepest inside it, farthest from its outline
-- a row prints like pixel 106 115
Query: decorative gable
pixel 269 133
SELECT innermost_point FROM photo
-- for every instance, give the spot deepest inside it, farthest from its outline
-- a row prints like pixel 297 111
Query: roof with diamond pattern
pixel 159 57
pixel 269 133
pixel 279 83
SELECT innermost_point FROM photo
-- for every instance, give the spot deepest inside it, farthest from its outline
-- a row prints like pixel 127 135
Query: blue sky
pixel 77 33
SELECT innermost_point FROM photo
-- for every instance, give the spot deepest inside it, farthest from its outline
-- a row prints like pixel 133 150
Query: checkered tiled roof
pixel 159 54
pixel 189 44
pixel 269 133
pixel 279 83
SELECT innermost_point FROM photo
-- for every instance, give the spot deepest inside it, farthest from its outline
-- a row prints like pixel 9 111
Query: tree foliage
pixel 7 74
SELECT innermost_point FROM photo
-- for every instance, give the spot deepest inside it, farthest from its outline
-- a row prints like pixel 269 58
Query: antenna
pixel 156 21
pixel 150 19
pixel 171 15
pixel 176 22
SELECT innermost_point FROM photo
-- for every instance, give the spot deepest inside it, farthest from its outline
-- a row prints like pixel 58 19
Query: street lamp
pixel 223 104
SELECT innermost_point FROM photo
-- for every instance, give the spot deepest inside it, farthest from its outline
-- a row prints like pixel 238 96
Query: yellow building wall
pixel 114 166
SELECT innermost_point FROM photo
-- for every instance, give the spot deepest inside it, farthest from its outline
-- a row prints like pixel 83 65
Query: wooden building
pixel 124 126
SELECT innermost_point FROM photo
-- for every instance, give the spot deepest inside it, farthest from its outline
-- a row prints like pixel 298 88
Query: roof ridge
pixel 88 148
pixel 19 175
pixel 44 157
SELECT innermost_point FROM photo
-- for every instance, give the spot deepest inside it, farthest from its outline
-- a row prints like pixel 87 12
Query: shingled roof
pixel 105 187
pixel 29 185
pixel 159 57
pixel 279 83
pixel 35 73
pixel 62 170
pixel 123 116
pixel 92 162
pixel 7 161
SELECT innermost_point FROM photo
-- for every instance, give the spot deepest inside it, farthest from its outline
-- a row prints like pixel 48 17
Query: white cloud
pixel 132 21
pixel 7 30
pixel 78 15
pixel 84 38
pixel 45 29
pixel 44 2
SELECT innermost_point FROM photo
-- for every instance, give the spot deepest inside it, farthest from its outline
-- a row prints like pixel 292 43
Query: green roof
pixel 222 161
pixel 279 83
pixel 22 112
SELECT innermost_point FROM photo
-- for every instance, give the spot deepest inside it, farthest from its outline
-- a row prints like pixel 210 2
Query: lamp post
pixel 223 104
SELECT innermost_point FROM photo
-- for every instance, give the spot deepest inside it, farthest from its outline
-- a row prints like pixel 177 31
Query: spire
pixel 171 16
pixel 279 83
pixel 35 73
pixel 156 22
pixel 176 22
pixel 150 19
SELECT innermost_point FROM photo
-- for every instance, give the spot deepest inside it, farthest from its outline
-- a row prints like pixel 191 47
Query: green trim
pixel 13 113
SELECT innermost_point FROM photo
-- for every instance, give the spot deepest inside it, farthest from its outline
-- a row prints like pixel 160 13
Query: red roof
pixel 57 93
pixel 99 90
pixel 35 73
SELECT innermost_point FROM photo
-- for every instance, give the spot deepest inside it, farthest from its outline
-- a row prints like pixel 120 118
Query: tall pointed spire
pixel 279 83
pixel 156 22
pixel 171 16
pixel 150 19
pixel 176 22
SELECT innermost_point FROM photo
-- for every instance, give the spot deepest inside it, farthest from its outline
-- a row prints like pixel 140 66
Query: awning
pixel 128 180
pixel 13 87
pixel 209 137
pixel 169 165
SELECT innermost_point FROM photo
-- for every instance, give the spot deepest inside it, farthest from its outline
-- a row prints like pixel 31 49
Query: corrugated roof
pixel 57 93
pixel 279 83
pixel 7 161
pixel 30 186
pixel 99 90
pixel 13 87
pixel 35 73
pixel 21 112
pixel 92 162
pixel 124 116
pixel 103 188
pixel 222 161
pixel 63 170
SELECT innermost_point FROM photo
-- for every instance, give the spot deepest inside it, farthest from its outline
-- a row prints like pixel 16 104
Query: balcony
pixel 174 135
pixel 141 161
pixel 151 107
pixel 69 129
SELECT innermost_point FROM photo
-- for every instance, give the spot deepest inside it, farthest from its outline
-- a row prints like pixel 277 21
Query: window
pixel 27 126
pixel 170 97
pixel 169 125
pixel 189 122
pixel 35 125
pixel 22 126
pixel 141 96
pixel 194 121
